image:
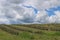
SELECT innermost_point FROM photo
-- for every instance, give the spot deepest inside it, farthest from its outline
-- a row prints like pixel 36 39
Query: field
pixel 30 32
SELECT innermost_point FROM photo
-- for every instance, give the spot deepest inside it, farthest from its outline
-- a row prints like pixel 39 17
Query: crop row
pixel 26 30
pixel 46 27
pixel 9 30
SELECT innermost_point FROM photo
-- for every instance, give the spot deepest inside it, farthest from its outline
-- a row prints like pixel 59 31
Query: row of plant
pixel 26 30
pixel 51 27
pixel 9 30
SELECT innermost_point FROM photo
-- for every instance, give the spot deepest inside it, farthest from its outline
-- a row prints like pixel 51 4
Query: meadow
pixel 30 32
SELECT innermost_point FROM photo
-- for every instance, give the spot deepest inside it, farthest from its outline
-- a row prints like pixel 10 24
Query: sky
pixel 29 11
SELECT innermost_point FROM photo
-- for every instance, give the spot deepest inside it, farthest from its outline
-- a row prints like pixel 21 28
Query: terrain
pixel 30 32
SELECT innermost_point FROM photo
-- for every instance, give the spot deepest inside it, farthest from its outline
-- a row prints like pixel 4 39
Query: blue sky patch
pixel 35 9
pixel 50 11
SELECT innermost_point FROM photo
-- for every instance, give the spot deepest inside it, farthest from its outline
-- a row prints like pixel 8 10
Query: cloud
pixel 4 21
pixel 43 4
pixel 28 11
pixel 55 18
pixel 41 17
pixel 57 13
pixel 58 16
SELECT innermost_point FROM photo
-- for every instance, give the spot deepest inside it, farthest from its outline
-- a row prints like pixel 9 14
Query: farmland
pixel 30 32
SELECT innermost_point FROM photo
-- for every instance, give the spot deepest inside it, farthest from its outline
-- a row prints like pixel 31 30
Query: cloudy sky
pixel 29 11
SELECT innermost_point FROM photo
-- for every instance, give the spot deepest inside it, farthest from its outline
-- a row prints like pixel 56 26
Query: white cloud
pixel 57 13
pixel 4 21
pixel 55 18
pixel 52 19
pixel 58 16
pixel 41 17
pixel 13 11
pixel 43 4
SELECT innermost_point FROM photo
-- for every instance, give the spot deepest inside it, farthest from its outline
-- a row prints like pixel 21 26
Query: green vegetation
pixel 30 32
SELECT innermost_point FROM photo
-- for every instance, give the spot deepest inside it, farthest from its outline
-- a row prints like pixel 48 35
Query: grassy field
pixel 30 32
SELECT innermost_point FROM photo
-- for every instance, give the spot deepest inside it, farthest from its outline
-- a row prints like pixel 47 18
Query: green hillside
pixel 30 32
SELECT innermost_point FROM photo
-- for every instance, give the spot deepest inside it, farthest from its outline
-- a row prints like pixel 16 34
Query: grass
pixel 30 32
